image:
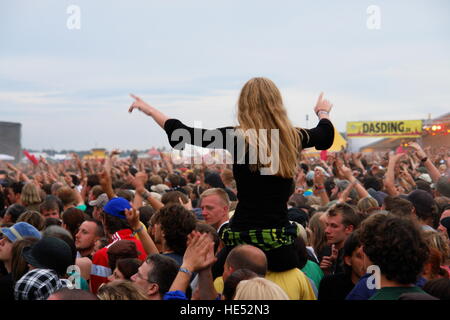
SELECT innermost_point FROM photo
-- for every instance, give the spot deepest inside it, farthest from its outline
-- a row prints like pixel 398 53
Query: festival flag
pixel 31 157
pixel 323 155
pixel 400 150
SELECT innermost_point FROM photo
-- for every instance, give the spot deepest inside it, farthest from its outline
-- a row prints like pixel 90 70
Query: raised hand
pixel 301 178
pixel 346 172
pixel 104 178
pixel 395 157
pixel 141 105
pixel 142 177
pixel 42 159
pixel 420 153
pixel 327 262
pixel 322 104
pixel 319 177
pixel 187 205
pixel 132 217
pixel 68 179
pixel 139 181
pixel 75 157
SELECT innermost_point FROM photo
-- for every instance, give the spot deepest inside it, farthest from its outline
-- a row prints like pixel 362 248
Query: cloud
pixel 106 123
pixel 70 89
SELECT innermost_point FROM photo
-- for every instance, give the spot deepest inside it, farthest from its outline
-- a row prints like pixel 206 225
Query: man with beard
pixel 89 232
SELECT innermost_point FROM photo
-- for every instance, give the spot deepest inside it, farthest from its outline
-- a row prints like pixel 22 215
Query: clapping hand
pixel 199 253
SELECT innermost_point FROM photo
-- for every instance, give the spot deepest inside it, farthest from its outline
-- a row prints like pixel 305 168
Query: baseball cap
pixel 160 188
pixel 116 207
pixel 100 201
pixel 421 200
pixel 20 230
pixel 378 195
pixel 425 177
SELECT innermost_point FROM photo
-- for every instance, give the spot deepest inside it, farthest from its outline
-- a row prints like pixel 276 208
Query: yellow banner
pixel 385 129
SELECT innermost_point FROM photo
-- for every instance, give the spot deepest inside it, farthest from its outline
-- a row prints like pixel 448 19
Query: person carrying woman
pixel 263 187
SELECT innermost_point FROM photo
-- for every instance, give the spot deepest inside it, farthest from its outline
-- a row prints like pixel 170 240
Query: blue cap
pixel 116 207
pixel 21 230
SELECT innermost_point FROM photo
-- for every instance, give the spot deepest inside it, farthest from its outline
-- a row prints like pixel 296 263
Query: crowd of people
pixel 347 226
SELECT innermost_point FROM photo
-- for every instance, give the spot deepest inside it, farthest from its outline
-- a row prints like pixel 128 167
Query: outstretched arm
pixel 159 117
pixel 319 184
pixel 135 224
pixel 348 174
pixel 180 134
pixel 389 179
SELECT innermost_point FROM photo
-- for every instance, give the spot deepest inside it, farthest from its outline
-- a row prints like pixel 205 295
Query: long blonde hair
pixel 259 289
pixel 260 106
pixel 120 290
pixel 30 194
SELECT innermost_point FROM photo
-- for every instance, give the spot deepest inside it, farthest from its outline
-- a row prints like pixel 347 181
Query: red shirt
pixel 100 270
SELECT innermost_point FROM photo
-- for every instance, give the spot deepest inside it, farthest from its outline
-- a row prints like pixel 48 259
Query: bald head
pixel 247 257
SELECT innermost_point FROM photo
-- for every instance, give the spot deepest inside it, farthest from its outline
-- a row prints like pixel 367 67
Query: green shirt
pixel 83 282
pixel 393 293
pixel 313 271
pixel 82 207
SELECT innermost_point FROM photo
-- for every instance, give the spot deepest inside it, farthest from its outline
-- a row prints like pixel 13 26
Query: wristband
pixel 322 111
pixel 146 194
pixel 138 230
pixel 320 187
pixel 184 270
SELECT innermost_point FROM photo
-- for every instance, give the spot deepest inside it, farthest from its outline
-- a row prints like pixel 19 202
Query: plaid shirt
pixel 38 284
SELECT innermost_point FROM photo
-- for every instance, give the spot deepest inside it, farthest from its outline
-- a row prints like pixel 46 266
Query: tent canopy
pixel 6 157
pixel 339 143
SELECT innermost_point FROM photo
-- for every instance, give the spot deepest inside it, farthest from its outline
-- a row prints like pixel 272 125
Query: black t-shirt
pixel 262 199
pixel 335 287
pixel 175 256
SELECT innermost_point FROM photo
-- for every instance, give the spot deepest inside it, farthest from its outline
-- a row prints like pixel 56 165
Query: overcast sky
pixel 69 87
